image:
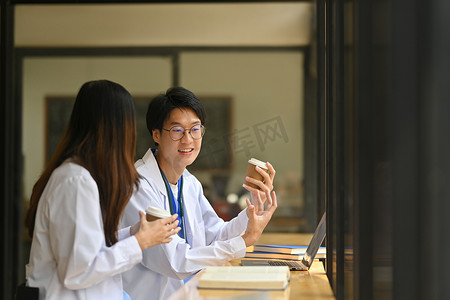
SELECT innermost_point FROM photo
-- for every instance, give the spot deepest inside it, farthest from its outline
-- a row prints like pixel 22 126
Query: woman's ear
pixel 156 134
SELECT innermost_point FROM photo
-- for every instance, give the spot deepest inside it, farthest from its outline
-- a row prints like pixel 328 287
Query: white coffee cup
pixel 154 213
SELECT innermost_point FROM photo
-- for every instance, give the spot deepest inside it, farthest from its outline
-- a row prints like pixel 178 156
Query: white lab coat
pixel 211 241
pixel 69 258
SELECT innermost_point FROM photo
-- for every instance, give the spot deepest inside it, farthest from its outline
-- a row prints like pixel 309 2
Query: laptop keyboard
pixel 290 264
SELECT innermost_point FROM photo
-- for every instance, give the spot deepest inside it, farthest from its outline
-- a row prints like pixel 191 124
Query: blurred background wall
pixel 252 56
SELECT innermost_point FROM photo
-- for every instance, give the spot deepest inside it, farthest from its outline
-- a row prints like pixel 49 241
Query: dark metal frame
pixel 385 112
pixel 141 1
pixel 10 160
pixel 172 52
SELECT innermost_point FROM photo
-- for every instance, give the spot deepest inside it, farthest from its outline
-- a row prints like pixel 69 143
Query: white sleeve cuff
pixel 239 247
pixel 123 233
pixel 243 218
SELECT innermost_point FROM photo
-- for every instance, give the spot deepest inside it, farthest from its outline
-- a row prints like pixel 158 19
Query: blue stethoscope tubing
pixel 173 205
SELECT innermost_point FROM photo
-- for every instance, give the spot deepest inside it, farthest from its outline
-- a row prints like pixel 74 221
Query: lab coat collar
pixel 152 167
pixel 152 170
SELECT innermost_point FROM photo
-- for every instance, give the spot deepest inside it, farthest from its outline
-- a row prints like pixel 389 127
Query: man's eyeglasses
pixel 176 133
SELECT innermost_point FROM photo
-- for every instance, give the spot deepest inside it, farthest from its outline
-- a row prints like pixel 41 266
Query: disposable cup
pixel 251 171
pixel 154 213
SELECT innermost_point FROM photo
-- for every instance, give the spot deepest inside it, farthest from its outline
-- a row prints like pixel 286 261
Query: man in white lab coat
pixel 175 120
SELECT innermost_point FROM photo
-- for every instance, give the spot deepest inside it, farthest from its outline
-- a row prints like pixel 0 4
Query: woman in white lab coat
pixel 77 251
pixel 175 120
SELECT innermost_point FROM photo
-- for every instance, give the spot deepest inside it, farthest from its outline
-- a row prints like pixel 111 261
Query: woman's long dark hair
pixel 101 137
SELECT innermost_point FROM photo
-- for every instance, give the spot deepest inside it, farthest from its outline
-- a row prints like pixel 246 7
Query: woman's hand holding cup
pixel 156 231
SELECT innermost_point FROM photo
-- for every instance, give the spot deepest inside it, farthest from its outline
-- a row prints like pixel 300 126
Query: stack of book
pixel 286 252
pixel 247 278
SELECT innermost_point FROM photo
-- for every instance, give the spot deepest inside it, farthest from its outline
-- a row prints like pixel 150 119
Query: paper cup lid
pixel 157 212
pixel 258 163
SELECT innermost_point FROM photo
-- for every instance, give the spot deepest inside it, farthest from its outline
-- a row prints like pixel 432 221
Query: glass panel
pixel 265 91
pixel 261 91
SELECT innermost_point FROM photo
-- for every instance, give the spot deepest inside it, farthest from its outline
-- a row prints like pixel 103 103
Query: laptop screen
pixel 316 241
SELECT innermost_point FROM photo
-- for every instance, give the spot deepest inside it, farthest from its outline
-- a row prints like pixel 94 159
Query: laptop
pixel 308 258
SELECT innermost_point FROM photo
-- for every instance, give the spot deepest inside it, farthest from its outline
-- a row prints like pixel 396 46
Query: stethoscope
pixel 174 208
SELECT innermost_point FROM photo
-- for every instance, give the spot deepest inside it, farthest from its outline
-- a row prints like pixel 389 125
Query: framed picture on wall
pixel 215 152
pixel 58 111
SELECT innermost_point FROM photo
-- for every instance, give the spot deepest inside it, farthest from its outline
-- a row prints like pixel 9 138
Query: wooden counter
pixel 305 285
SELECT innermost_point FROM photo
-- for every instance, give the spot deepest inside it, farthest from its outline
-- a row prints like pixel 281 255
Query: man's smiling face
pixel 177 155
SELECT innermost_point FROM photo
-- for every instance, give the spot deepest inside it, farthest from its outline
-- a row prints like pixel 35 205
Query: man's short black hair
pixel 161 106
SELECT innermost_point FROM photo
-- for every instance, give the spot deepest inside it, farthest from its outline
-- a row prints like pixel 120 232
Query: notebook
pixel 308 258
